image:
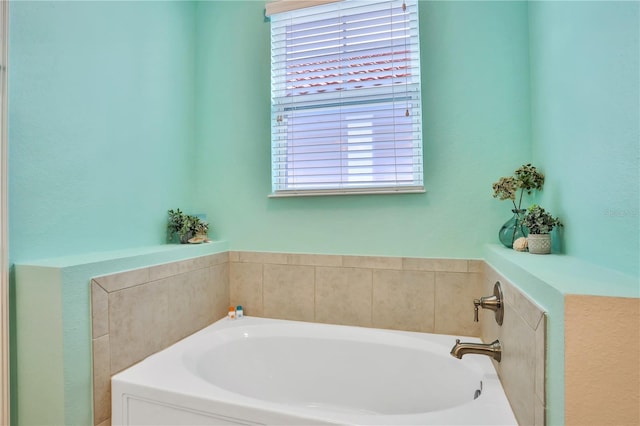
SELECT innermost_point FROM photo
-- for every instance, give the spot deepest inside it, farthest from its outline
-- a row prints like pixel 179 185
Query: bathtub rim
pixel 167 387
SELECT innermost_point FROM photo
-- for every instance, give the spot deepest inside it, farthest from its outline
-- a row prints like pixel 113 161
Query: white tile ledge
pixel 562 273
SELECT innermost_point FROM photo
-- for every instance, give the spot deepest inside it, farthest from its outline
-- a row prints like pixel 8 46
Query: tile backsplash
pixel 137 313
pixel 384 292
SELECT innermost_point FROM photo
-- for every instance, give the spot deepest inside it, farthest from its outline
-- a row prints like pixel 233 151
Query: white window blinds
pixel 345 90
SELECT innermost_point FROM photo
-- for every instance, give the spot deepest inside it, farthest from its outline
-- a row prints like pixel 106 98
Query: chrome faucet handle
pixel 493 303
pixel 476 306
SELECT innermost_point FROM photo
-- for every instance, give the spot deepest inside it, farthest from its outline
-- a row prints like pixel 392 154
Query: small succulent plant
pixel 184 226
pixel 540 221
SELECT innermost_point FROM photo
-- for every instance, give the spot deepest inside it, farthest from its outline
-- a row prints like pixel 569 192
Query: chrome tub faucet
pixel 493 349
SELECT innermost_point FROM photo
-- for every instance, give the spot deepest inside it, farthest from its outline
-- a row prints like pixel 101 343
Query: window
pixel 345 99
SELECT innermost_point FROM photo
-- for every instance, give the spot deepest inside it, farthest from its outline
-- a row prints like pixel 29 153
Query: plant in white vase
pixel 540 224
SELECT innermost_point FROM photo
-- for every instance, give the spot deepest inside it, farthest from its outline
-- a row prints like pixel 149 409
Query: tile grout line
pixel 262 287
pixel 315 279
pixel 435 296
pixel 371 294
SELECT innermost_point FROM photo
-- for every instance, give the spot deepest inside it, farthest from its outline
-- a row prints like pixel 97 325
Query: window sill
pixel 361 191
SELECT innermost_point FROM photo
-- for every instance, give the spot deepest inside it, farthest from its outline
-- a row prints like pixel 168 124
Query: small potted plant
pixel 540 224
pixel 525 179
pixel 186 228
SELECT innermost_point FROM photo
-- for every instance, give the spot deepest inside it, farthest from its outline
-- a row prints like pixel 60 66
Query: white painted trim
pixel 4 217
pixel 279 6
pixel 352 191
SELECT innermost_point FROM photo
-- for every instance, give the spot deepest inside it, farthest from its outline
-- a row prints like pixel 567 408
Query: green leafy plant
pixel 526 179
pixel 184 226
pixel 540 221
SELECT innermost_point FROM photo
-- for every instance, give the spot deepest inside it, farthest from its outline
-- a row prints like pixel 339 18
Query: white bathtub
pixel 256 371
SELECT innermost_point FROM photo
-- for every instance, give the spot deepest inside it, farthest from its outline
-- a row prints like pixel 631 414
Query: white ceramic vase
pixel 539 243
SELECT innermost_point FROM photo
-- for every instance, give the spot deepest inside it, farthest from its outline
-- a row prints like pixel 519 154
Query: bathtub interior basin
pixel 336 373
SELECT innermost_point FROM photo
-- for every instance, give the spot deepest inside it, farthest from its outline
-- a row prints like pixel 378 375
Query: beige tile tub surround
pixel 414 294
pixel 523 338
pixel 137 313
pixel 344 290
pixel 288 291
pixel 404 300
pixel 602 368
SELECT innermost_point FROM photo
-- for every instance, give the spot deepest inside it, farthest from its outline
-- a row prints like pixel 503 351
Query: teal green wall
pixel 102 129
pixel 101 124
pixel 585 125
pixel 121 110
pixel 476 129
pixel 101 136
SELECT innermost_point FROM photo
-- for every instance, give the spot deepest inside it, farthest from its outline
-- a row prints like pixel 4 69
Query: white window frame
pixel 379 146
